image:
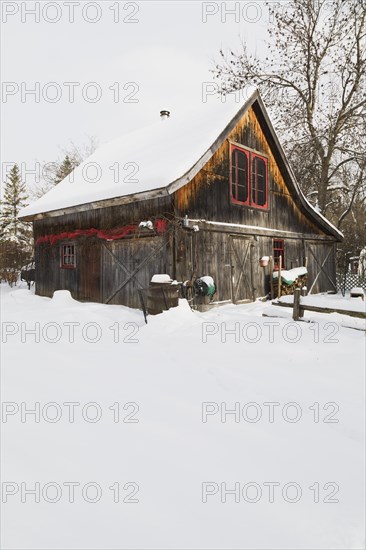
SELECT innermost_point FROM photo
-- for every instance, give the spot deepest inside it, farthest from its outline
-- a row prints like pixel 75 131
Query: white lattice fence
pixel 345 282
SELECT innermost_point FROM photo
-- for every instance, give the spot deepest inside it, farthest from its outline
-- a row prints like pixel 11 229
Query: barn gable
pixel 207 195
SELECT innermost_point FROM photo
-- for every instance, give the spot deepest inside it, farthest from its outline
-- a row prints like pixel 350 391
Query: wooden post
pixel 306 262
pixel 303 292
pixel 271 275
pixel 143 305
pixel 279 276
pixel 296 313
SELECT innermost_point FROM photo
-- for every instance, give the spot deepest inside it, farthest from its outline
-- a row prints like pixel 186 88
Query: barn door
pixel 241 275
pixel 321 266
pixel 128 265
pixel 89 287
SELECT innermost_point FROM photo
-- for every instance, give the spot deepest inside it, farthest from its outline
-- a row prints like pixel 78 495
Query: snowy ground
pixel 133 445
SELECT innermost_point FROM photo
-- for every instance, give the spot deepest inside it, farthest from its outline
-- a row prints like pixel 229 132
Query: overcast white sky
pixel 166 53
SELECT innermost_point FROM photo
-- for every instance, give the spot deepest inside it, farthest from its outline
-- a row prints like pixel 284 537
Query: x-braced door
pixel 241 269
pixel 128 265
pixel 321 266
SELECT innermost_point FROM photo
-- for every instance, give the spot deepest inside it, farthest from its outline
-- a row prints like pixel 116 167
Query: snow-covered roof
pixel 147 159
pixel 156 160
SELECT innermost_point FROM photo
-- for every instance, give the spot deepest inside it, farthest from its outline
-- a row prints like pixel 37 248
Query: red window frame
pixel 278 250
pixel 251 174
pixel 254 175
pixel 68 256
pixel 236 182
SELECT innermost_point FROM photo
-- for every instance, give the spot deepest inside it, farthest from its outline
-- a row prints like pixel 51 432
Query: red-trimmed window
pixel 249 178
pixel 68 257
pixel 240 176
pixel 278 251
pixel 259 181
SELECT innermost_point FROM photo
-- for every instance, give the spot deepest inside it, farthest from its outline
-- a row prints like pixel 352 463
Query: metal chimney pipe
pixel 164 115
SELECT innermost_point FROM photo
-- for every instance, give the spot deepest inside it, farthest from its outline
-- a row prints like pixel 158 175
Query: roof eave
pixel 95 205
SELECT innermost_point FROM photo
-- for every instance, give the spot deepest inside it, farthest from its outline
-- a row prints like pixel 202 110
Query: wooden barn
pixel 190 198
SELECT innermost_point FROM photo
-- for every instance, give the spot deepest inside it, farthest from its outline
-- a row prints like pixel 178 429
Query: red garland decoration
pixel 161 225
pixel 108 235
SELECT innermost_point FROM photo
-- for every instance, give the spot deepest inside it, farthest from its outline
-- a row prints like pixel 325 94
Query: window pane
pixel 242 160
pixel 242 193
pixel 68 255
pixel 233 180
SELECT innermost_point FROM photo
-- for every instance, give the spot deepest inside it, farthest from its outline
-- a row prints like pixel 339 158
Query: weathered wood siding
pixel 207 196
pixel 321 266
pixel 83 282
pixel 129 264
pixel 104 218
pixel 94 275
pixel 232 259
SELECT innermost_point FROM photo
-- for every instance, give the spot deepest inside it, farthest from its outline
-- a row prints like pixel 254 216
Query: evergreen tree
pixel 54 172
pixel 64 169
pixel 15 235
pixel 14 199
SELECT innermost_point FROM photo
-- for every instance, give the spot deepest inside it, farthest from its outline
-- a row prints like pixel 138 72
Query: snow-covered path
pixel 149 429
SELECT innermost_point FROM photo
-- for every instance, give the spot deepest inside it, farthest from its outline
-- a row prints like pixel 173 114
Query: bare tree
pixel 313 80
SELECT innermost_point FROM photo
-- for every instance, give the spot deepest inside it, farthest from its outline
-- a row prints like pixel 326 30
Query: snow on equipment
pixel 162 294
pixel 357 292
pixel 205 286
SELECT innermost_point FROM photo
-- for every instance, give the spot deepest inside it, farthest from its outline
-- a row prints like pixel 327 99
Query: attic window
pixel 239 176
pixel 259 181
pixel 249 179
pixel 68 257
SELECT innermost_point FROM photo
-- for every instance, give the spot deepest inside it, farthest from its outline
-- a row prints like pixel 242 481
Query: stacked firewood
pixel 289 289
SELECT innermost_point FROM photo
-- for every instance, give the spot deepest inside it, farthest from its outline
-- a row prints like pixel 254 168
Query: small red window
pixel 278 251
pixel 68 258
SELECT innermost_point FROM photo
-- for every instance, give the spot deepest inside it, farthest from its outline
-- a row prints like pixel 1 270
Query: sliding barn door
pixel 321 266
pixel 128 265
